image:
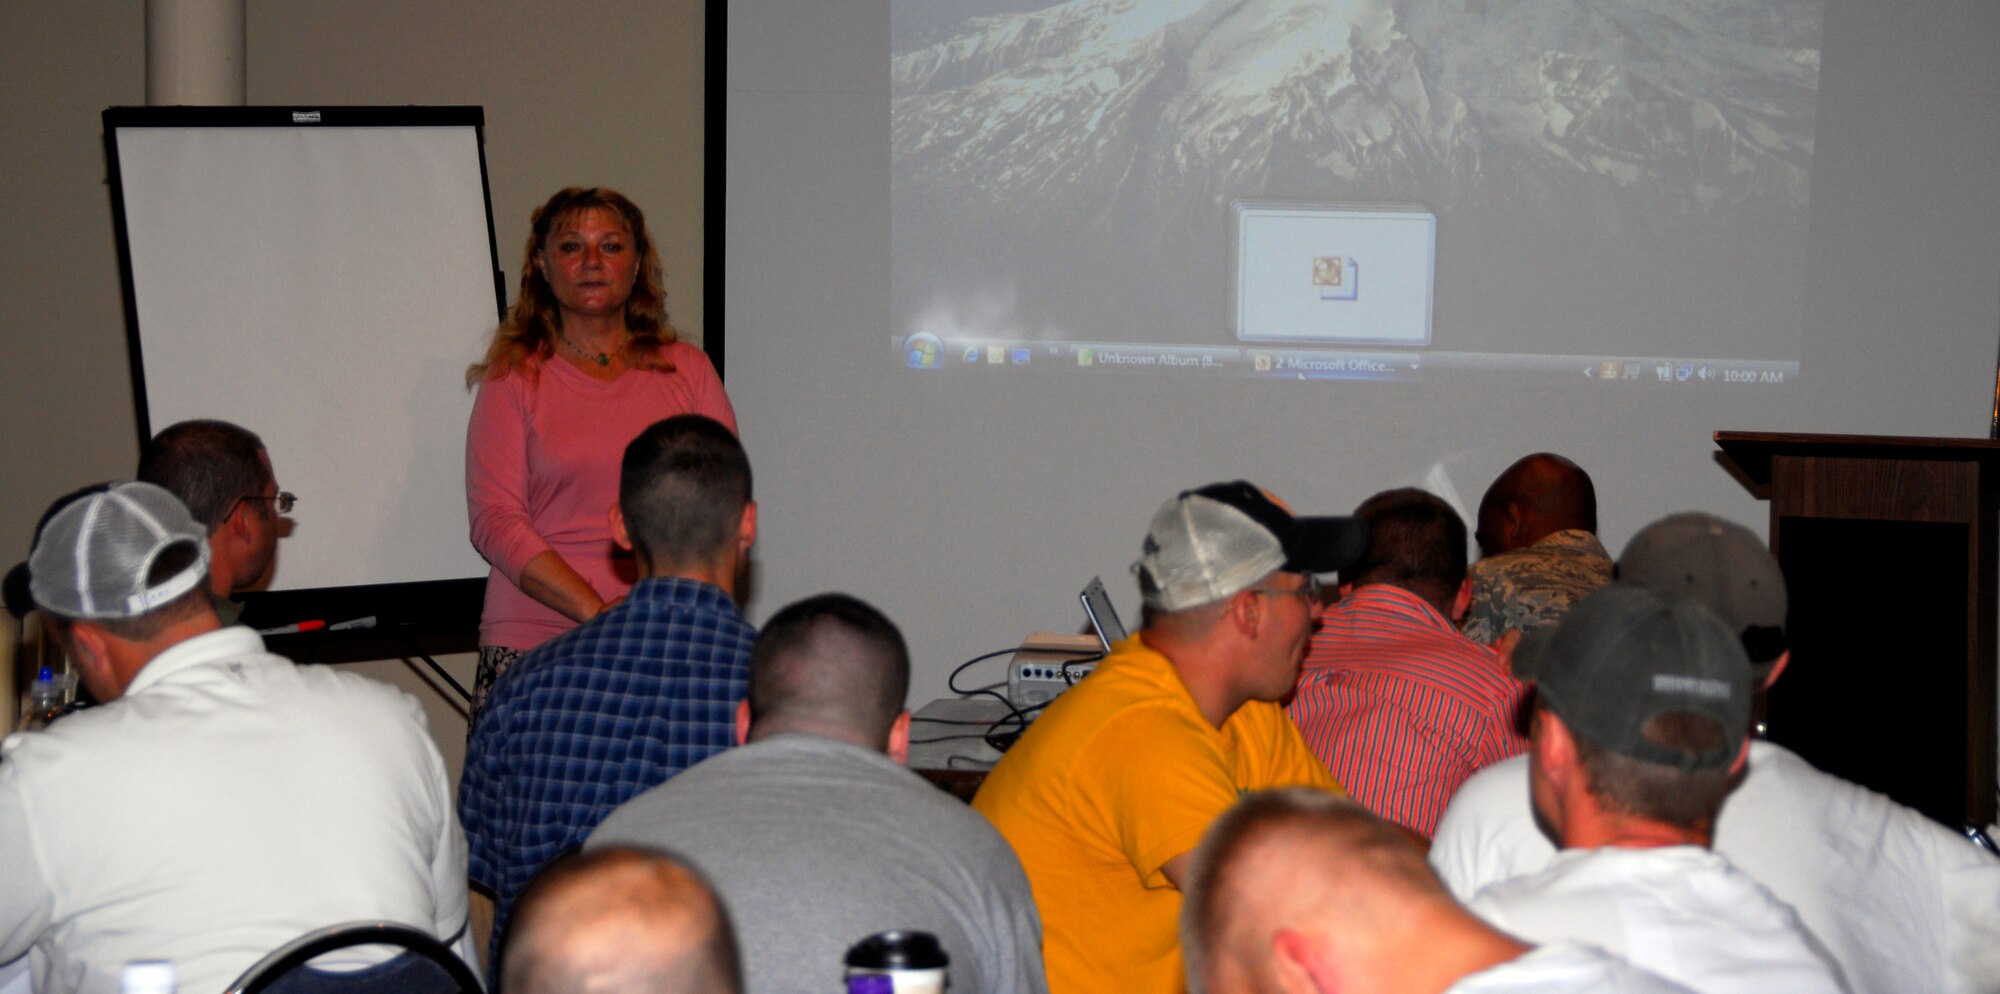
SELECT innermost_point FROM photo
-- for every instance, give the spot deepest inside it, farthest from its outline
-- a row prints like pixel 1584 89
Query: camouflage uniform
pixel 1529 587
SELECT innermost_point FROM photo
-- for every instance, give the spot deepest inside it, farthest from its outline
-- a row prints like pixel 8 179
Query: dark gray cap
pixel 1721 564
pixel 1626 654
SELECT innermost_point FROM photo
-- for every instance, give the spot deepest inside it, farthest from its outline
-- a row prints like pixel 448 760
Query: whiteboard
pixel 322 277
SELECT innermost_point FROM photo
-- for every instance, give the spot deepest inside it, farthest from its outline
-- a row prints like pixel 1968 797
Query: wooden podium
pixel 1888 549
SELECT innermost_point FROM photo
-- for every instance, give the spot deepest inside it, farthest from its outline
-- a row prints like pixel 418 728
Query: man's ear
pixel 90 653
pixel 1516 527
pixel 899 739
pixel 619 534
pixel 743 721
pixel 1462 603
pixel 1246 612
pixel 1553 743
pixel 746 529
pixel 1298 966
pixel 234 527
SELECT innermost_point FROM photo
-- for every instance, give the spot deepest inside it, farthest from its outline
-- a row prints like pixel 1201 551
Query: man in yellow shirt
pixel 1110 789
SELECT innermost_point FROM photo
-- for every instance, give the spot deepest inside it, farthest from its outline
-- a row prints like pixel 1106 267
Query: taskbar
pixel 927 352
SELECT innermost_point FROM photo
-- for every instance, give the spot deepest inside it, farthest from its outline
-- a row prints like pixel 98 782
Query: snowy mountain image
pixel 1069 169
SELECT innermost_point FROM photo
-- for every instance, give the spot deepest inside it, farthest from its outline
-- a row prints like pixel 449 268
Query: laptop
pixel 1103 617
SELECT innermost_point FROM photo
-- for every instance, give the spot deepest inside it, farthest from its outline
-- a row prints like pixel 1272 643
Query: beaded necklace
pixel 600 358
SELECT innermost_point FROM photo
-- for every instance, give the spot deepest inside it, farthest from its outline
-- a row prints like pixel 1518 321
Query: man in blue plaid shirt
pixel 634 695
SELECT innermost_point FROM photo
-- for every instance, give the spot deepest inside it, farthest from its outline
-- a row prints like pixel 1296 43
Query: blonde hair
pixel 532 324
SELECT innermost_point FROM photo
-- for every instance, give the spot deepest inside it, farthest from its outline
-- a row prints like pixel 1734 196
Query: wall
pixel 64 397
pixel 605 94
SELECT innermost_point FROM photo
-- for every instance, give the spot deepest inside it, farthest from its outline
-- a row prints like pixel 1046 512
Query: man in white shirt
pixel 220 801
pixel 1643 706
pixel 1302 891
pixel 1900 901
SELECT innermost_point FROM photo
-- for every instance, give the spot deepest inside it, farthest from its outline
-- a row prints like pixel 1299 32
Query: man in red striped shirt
pixel 1399 705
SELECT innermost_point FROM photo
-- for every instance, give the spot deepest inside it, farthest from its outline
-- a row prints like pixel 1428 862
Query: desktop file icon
pixel 1336 277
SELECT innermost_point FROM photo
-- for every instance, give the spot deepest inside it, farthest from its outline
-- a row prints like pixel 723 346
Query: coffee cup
pixel 901 961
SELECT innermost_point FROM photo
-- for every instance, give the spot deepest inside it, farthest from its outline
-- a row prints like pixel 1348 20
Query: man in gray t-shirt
pixel 817 837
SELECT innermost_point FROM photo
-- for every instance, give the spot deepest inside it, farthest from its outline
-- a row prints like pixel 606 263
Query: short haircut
pixel 830 661
pixel 1415 541
pixel 682 488
pixel 620 918
pixel 1334 854
pixel 1197 621
pixel 209 465
pixel 1683 798
pixel 1548 487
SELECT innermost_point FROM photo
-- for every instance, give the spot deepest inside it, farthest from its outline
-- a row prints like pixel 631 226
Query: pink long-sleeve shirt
pixel 541 474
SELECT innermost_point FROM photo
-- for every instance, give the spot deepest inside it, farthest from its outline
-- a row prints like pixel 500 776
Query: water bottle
pixel 45 700
pixel 147 976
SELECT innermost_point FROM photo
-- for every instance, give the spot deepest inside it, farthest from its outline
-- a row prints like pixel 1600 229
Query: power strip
pixel 1037 673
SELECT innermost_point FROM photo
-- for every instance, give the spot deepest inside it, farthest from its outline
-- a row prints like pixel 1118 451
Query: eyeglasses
pixel 1310 590
pixel 285 500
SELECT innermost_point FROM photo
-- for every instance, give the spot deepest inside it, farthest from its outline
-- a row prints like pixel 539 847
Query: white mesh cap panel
pixel 1200 550
pixel 94 556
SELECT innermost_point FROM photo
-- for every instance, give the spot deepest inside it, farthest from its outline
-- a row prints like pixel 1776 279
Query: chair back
pixel 425 966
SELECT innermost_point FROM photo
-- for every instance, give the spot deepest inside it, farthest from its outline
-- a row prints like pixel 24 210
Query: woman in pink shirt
pixel 583 362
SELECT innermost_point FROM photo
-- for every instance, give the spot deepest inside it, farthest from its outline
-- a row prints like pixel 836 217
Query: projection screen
pixel 1609 196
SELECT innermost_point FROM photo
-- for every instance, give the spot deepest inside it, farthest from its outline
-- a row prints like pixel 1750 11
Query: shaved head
pixel 1294 860
pixel 620 920
pixel 682 487
pixel 1539 495
pixel 829 665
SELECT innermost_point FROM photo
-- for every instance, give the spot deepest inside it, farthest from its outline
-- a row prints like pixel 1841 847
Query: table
pixel 948 743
